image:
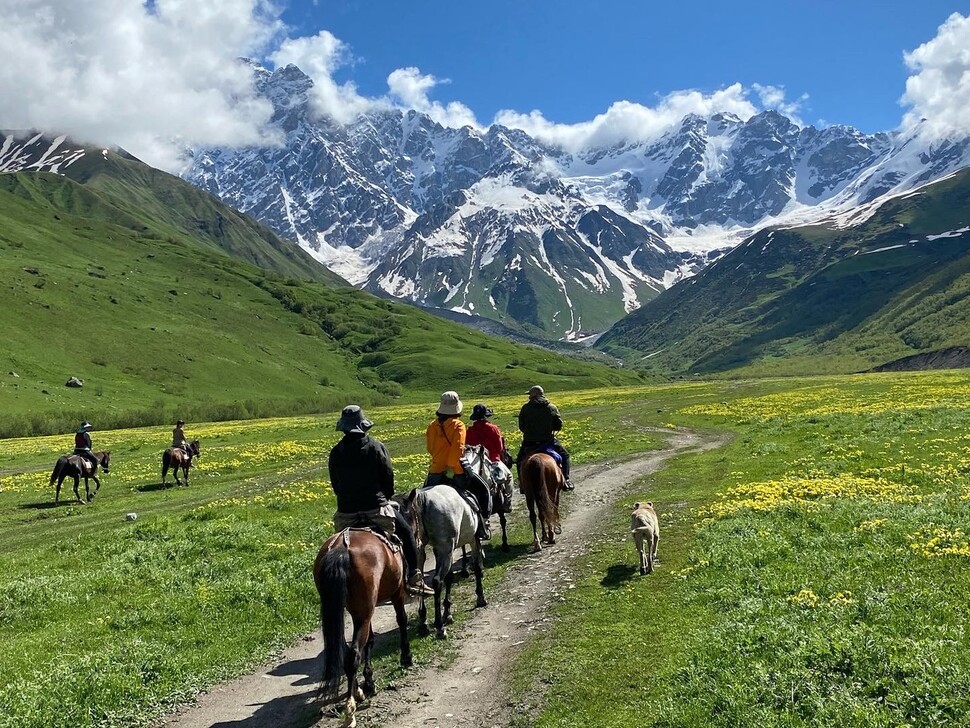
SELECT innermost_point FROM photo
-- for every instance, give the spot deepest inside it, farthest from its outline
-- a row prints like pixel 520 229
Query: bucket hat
pixel 352 420
pixel 481 411
pixel 535 391
pixel 450 404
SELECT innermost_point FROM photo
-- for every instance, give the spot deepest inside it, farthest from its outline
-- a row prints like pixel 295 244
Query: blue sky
pixel 573 58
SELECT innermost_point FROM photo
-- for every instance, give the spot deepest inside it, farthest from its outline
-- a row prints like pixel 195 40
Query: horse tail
pixel 331 577
pixel 57 470
pixel 166 461
pixel 538 469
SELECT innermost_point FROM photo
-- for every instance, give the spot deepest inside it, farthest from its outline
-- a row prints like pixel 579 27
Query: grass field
pixel 813 570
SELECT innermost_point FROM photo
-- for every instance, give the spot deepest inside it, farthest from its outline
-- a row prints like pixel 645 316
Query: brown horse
pixel 354 570
pixel 175 458
pixel 541 481
pixel 77 466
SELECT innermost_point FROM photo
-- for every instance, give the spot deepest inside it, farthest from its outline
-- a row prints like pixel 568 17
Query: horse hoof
pixel 359 695
pixel 406 661
pixel 442 634
pixel 370 689
pixel 505 547
pixel 423 630
pixel 448 619
pixel 481 603
pixel 536 548
pixel 557 529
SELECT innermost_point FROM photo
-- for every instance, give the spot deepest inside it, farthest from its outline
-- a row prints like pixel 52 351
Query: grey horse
pixel 443 519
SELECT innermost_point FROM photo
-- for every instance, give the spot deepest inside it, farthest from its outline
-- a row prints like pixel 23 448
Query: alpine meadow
pixel 651 320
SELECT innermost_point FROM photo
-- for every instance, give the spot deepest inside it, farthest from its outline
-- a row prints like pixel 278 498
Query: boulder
pixel 74 382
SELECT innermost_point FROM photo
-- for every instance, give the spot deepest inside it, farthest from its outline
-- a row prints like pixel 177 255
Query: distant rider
pixel 363 480
pixel 445 439
pixel 483 432
pixel 178 437
pixel 82 443
pixel 539 420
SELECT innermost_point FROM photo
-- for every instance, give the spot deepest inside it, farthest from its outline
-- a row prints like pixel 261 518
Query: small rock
pixel 131 516
pixel 14 374
pixel 74 382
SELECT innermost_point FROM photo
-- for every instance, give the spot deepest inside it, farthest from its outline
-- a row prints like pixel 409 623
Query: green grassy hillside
pixel 817 298
pixel 117 281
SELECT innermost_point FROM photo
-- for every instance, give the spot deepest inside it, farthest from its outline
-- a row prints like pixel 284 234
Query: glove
pixel 450 473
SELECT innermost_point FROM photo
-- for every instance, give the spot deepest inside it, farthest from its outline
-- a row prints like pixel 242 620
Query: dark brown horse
pixel 354 570
pixel 175 458
pixel 77 466
pixel 541 482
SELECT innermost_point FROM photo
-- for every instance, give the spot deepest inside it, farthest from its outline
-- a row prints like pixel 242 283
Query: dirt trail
pixel 469 692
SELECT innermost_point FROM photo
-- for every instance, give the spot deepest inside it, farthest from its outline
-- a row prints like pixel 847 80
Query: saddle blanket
pixel 392 541
pixel 553 454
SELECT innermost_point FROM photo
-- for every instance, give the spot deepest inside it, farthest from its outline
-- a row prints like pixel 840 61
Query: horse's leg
pixel 505 536
pixel 442 580
pixel 185 472
pixel 175 472
pixel 477 567
pixel 402 628
pixel 423 617
pixel 368 685
pixel 77 483
pixel 531 503
pixel 352 660
pixel 464 563
pixel 446 617
pixel 57 492
pixel 97 487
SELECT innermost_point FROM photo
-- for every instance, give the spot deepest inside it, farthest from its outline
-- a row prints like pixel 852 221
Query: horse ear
pixel 636 506
pixel 411 496
pixel 650 503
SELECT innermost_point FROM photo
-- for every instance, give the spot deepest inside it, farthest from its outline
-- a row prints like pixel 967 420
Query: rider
pixel 363 481
pixel 483 432
pixel 445 439
pixel 539 419
pixel 178 437
pixel 82 443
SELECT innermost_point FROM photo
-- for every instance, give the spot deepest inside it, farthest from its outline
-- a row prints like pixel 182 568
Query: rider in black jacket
pixel 363 480
pixel 539 420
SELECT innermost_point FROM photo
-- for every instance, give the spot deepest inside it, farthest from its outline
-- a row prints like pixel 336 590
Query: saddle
pixel 81 463
pixel 391 540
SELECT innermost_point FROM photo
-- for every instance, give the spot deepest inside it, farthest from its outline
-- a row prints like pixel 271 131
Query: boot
pixel 484 529
pixel 416 585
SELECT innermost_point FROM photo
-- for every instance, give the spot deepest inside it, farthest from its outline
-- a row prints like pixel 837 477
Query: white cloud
pixel 626 121
pixel 141 76
pixel 411 88
pixel 939 90
pixel 773 97
pixel 318 57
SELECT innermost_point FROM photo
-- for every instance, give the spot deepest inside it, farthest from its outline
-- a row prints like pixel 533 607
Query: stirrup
pixel 567 485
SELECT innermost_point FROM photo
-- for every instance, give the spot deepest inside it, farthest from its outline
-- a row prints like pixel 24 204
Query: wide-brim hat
pixel 85 426
pixel 450 404
pixel 481 411
pixel 352 420
pixel 179 422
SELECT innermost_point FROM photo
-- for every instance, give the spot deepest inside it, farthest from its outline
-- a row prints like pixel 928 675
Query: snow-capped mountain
pixel 35 152
pixel 498 224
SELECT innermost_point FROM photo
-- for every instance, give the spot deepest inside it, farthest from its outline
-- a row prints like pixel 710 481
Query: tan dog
pixel 645 528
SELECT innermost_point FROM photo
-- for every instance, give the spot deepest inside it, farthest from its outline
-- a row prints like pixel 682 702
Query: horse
pixel 541 481
pixel 498 478
pixel 77 466
pixel 175 458
pixel 443 519
pixel 354 570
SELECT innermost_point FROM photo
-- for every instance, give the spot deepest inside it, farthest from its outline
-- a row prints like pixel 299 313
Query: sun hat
pixel 450 404
pixel 352 420
pixel 535 391
pixel 85 426
pixel 179 422
pixel 480 411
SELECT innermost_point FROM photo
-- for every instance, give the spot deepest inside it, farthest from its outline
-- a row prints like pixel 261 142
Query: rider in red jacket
pixel 483 432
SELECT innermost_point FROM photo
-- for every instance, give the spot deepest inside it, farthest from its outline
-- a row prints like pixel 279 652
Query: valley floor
pixel 469 688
